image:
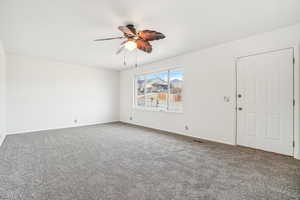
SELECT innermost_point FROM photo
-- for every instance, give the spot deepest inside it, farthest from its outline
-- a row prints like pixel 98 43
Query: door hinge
pixel 293 143
pixel 294 102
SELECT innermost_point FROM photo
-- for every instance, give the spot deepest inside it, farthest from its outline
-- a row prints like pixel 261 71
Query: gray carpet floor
pixel 118 161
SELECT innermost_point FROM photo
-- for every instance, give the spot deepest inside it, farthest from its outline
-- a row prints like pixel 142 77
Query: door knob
pixel 240 108
pixel 239 96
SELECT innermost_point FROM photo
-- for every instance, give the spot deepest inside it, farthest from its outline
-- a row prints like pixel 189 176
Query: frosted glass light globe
pixel 130 45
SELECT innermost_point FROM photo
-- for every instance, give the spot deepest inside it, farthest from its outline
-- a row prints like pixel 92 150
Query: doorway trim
pixel 296 88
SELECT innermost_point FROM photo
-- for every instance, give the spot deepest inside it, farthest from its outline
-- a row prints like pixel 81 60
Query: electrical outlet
pixel 186 127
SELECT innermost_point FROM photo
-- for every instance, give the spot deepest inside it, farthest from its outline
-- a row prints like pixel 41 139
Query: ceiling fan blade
pixel 131 28
pixel 143 45
pixel 120 49
pixel 150 35
pixel 122 43
pixel 112 38
pixel 127 31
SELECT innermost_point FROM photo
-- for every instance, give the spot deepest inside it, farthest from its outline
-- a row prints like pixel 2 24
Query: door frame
pixel 296 88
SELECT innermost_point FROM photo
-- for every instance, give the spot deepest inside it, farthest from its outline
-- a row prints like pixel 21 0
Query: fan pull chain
pixel 124 60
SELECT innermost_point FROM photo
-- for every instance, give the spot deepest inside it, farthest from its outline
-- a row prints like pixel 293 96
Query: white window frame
pixel 145 108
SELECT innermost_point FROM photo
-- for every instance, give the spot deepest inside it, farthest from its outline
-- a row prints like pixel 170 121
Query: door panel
pixel 265 101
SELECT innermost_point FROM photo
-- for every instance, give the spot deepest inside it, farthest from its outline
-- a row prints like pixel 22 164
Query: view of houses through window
pixel 160 90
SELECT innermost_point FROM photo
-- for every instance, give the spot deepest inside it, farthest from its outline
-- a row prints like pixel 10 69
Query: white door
pixel 265 101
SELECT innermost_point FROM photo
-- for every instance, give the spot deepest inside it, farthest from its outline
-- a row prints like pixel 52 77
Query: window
pixel 175 97
pixel 157 90
pixel 160 90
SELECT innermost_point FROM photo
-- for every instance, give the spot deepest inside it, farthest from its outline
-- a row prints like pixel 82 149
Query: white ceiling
pixel 64 30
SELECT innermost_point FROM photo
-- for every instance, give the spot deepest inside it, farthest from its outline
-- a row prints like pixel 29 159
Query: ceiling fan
pixel 136 39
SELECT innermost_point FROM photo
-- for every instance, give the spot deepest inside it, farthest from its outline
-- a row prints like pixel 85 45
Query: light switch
pixel 226 99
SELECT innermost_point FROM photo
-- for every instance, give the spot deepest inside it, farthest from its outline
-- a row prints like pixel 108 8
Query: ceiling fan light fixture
pixel 130 45
pixel 136 39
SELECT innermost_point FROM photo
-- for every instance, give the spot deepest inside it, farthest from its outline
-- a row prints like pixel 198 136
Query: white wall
pixel 209 76
pixel 2 93
pixel 43 94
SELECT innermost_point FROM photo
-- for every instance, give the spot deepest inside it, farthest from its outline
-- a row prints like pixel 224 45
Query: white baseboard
pixel 2 138
pixel 296 156
pixel 179 133
pixel 56 128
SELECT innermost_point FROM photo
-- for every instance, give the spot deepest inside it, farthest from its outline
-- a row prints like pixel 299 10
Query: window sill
pixel 156 110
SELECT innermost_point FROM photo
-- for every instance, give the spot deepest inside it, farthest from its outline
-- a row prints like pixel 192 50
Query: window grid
pixel 167 96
